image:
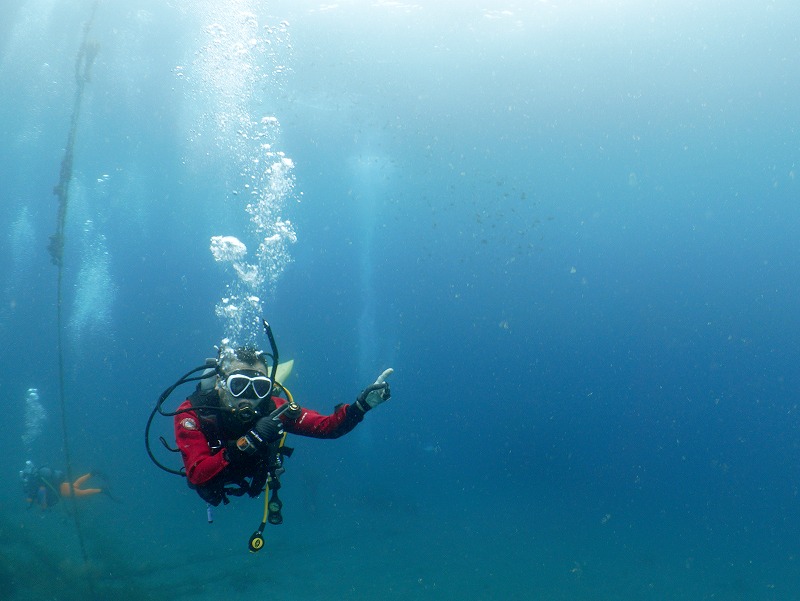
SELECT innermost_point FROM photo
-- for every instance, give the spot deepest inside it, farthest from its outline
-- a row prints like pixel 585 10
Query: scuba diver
pixel 44 486
pixel 230 430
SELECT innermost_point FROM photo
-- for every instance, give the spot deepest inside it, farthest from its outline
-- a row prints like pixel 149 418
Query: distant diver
pixel 44 486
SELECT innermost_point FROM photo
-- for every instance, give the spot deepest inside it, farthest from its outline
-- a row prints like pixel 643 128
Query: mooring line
pixel 83 67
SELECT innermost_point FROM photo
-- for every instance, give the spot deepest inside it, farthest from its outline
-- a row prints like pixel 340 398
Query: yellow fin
pixel 284 370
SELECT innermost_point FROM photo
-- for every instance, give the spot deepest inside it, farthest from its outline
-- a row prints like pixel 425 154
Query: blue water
pixel 570 227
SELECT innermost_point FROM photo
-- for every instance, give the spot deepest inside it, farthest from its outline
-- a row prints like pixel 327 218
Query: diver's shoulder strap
pixel 209 419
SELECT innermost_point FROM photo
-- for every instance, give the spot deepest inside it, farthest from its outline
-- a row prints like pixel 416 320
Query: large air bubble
pixel 240 63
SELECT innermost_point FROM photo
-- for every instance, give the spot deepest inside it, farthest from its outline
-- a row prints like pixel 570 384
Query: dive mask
pixel 245 389
pixel 248 383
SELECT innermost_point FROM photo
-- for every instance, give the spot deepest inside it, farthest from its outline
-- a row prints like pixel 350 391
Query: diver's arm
pixel 310 423
pixel 201 465
pixel 344 417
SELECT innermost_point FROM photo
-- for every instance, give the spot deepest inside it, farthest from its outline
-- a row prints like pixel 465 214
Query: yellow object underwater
pixel 284 370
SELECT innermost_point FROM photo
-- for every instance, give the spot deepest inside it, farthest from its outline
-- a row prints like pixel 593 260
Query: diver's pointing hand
pixel 382 378
pixel 375 394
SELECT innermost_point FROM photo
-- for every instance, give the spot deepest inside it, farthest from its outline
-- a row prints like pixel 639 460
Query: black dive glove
pixel 266 431
pixel 375 394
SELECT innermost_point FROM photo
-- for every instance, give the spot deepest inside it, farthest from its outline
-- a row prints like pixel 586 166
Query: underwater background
pixel 571 227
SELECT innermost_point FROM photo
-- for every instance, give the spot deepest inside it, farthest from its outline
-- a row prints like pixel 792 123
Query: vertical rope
pixel 83 65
